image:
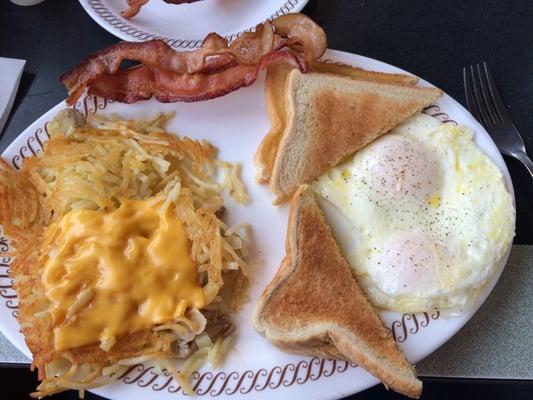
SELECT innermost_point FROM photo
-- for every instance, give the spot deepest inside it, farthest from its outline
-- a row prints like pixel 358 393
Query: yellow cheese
pixel 108 274
pixel 434 201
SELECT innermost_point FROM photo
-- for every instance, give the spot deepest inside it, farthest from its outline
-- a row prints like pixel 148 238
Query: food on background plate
pixel 430 216
pixel 314 306
pixel 120 255
pixel 213 70
pixel 134 6
pixel 329 117
pixel 275 83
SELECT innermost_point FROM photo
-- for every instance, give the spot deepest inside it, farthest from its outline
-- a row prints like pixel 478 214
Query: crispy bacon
pixel 295 31
pixel 143 82
pixel 134 6
pixel 304 32
pixel 214 55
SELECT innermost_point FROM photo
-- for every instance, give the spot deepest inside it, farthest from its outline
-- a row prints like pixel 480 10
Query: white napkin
pixel 10 73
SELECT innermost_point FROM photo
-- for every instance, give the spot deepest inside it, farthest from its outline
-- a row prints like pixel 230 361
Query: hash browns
pixel 94 166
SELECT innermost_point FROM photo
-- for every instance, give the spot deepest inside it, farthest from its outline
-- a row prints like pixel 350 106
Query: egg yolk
pixel 406 263
pixel 401 168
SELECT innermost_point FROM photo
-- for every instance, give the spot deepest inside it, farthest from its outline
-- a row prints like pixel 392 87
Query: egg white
pixel 430 216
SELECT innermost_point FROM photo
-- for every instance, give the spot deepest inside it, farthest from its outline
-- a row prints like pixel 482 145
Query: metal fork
pixel 486 105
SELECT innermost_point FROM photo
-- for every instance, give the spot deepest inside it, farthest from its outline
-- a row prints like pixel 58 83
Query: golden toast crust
pixel 275 99
pixel 265 155
pixel 314 305
pixel 329 117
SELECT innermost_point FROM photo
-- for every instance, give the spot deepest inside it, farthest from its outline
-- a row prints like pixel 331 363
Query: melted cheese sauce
pixel 108 274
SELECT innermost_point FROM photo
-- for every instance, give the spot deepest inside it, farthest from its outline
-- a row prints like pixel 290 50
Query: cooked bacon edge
pixel 143 82
pixel 226 66
pixel 134 6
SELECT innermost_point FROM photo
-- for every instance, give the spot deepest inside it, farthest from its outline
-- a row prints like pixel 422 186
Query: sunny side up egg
pixel 430 216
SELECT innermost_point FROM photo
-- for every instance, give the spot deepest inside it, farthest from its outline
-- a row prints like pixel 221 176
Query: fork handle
pixel 524 158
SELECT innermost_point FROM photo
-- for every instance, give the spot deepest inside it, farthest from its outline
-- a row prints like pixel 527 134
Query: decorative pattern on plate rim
pixel 436 112
pixel 6 283
pixel 239 383
pixel 34 144
pixel 210 383
pixel 215 383
pixel 410 324
pixel 123 26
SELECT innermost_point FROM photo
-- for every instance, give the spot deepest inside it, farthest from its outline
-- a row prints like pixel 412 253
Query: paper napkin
pixel 10 73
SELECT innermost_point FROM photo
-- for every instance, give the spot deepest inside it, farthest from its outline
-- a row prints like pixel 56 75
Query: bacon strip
pixel 295 31
pixel 134 6
pixel 143 82
pixel 302 31
pixel 215 54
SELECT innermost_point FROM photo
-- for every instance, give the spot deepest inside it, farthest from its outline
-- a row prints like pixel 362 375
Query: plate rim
pixel 122 29
pixel 93 105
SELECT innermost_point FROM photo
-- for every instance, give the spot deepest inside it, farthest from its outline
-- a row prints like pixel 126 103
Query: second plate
pixel 183 26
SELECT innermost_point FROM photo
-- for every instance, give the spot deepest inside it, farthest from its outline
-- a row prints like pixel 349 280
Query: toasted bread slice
pixel 314 305
pixel 330 117
pixel 265 154
pixel 275 98
pixel 360 73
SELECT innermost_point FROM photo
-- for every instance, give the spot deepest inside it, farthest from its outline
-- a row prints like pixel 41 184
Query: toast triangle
pixel 314 305
pixel 276 79
pixel 330 117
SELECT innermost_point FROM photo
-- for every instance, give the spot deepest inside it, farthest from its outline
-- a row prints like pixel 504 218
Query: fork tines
pixel 482 97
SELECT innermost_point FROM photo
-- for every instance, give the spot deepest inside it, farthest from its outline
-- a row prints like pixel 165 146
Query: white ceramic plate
pixel 255 370
pixel 184 26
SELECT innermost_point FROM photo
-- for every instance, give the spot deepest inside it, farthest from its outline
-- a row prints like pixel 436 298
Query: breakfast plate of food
pixel 184 23
pixel 261 218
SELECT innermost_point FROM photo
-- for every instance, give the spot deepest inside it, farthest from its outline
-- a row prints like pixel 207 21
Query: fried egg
pixel 430 216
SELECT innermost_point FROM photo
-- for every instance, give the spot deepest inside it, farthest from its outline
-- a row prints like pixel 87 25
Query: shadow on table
pixel 444 389
pixel 434 389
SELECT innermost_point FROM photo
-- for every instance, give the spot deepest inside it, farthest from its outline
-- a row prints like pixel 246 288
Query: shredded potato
pixel 98 163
